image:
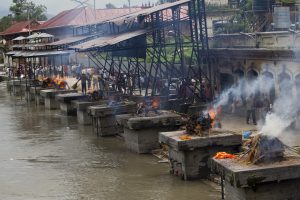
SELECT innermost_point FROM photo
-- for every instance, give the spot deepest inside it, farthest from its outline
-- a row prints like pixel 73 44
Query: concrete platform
pixel 26 88
pixel 141 133
pixel 18 87
pixel 83 117
pixel 103 117
pixel 35 93
pixel 65 102
pixel 190 159
pixel 49 96
pixel 276 181
pixel 10 83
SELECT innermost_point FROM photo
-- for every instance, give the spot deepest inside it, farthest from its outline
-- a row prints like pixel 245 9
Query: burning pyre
pixel 148 107
pixel 262 149
pixel 201 124
pixel 94 95
pixel 55 82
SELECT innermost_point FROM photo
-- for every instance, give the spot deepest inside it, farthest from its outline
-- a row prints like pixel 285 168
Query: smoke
pixel 244 89
pixel 284 113
pixel 285 108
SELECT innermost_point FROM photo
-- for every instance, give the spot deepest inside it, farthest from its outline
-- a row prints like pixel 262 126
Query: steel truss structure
pixel 177 49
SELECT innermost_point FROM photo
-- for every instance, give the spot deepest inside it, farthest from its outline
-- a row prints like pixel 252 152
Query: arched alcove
pixel 226 80
pixel 252 74
pixel 285 83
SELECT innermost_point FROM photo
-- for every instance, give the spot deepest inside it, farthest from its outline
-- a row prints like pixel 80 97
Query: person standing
pixel 95 81
pixel 83 83
pixel 265 107
pixel 250 109
pixel 89 80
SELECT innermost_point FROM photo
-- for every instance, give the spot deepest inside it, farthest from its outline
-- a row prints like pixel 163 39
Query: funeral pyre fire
pixel 56 82
pixel 263 148
pixel 202 123
pixel 94 95
pixel 149 107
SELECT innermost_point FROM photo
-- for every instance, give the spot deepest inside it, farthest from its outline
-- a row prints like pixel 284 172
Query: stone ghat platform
pixel 49 96
pixel 18 87
pixel 82 110
pixel 103 117
pixel 65 101
pixel 276 181
pixel 15 82
pixel 35 94
pixel 141 133
pixel 190 159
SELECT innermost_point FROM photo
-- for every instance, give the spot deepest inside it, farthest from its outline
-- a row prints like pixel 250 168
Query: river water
pixel 46 156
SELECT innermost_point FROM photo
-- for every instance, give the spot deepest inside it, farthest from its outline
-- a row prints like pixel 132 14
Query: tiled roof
pixel 19 27
pixel 84 15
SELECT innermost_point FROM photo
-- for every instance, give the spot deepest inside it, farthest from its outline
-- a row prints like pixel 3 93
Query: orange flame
pixel 214 112
pixel 155 103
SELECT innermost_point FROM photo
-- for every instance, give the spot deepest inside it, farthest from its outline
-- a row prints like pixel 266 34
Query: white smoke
pixel 284 110
pixel 284 113
pixel 244 89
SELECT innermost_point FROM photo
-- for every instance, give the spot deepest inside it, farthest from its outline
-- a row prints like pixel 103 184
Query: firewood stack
pixel 263 148
pixel 199 125
pixel 149 107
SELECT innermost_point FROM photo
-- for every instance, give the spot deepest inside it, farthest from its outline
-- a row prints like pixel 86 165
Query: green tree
pixel 5 22
pixel 110 6
pixel 22 9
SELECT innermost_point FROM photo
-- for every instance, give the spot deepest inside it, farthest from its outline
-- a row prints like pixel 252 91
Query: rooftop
pixel 84 15
pixel 20 27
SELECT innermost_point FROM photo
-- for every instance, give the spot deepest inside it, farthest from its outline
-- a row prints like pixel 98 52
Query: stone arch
pixel 239 72
pixel 297 83
pixel 285 83
pixel 268 78
pixel 252 74
pixel 268 74
pixel 238 75
pixel 226 80
pixel 285 70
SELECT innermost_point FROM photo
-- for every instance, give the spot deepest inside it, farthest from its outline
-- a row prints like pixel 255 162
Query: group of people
pixel 260 104
pixel 254 104
pixel 32 71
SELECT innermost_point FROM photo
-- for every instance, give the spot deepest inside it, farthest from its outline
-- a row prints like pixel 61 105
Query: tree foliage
pixel 23 9
pixel 5 22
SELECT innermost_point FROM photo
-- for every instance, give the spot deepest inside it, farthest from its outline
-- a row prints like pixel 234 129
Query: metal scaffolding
pixel 160 44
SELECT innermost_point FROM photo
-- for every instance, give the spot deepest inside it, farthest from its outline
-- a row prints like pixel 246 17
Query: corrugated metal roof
pixel 20 27
pixel 109 40
pixel 45 35
pixel 84 15
pixel 33 36
pixel 19 38
pixel 68 40
pixel 28 54
pixel 12 52
pixel 17 46
pixel 149 11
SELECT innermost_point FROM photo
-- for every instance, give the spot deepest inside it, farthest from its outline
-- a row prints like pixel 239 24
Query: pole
pixel 129 5
pixel 28 18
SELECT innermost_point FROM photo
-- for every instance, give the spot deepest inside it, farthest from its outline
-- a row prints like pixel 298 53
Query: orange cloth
pixel 185 137
pixel 224 155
